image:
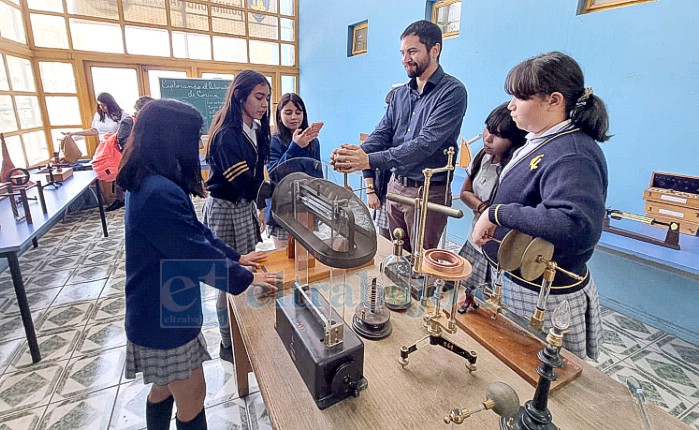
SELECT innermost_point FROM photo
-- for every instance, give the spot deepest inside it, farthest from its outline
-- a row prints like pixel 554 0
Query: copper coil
pixel 443 261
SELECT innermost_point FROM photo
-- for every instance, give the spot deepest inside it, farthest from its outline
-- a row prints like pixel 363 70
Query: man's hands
pixel 349 158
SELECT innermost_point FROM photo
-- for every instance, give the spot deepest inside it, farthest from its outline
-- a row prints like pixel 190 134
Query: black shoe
pixel 226 354
pixel 118 204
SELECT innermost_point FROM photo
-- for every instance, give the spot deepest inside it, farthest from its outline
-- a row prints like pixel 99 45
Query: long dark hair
pixel 113 109
pixel 231 113
pixel 500 123
pixel 165 142
pixel 557 72
pixel 283 131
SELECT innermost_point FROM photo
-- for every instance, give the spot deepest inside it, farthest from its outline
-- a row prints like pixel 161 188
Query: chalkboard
pixel 206 95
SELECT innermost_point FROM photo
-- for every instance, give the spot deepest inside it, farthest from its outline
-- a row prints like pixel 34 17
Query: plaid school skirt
pixel 584 335
pixel 278 232
pixel 164 366
pixel 481 272
pixel 234 223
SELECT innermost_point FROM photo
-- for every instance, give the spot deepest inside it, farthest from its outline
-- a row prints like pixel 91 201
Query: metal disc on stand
pixel 512 249
pixel 532 266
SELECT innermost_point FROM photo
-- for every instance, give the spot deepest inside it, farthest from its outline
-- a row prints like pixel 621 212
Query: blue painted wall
pixel 642 60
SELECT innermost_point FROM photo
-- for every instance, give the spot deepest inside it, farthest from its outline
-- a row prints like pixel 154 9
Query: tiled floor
pixel 75 286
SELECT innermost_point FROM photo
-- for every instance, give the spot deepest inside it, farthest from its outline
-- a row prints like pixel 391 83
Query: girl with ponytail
pixel 554 188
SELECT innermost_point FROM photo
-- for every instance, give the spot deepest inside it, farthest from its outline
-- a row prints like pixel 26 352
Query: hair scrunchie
pixel 582 100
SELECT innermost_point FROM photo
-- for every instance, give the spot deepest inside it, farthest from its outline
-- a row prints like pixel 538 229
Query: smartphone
pixel 315 127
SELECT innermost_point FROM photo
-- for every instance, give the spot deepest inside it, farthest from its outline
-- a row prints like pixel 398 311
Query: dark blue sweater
pixel 558 193
pixel 279 152
pixel 161 224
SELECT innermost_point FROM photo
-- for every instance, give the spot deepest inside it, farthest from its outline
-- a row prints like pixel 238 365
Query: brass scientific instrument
pixel 672 237
pixel 513 338
pixel 448 268
pixel 501 398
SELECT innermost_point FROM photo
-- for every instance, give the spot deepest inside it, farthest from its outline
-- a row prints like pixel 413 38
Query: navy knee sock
pixel 198 423
pixel 158 414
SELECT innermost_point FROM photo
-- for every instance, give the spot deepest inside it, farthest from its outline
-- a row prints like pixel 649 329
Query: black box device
pixel 331 373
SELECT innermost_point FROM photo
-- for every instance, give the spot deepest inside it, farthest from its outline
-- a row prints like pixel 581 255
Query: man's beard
pixel 418 71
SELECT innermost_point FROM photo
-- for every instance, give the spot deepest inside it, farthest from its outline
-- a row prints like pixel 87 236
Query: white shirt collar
pixel 252 131
pixel 553 130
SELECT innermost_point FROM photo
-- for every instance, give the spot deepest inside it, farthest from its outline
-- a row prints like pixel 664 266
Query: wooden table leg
pixel 240 353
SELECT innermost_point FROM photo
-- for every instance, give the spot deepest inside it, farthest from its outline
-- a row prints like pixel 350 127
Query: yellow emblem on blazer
pixel 534 164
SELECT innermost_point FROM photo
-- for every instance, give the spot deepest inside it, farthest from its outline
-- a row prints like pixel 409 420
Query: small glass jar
pixel 396 275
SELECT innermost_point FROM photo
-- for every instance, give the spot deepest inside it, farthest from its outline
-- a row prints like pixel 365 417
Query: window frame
pixel 436 5
pixel 588 6
pixel 355 29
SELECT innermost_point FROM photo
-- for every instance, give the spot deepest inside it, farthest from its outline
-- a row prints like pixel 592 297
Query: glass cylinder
pixel 396 275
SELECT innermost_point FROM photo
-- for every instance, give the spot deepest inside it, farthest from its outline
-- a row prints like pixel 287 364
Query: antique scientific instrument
pixel 442 266
pixel 672 237
pixel 501 398
pixel 639 397
pixel 335 227
pixel 397 275
pixel 498 329
pixel 17 188
pixel 372 320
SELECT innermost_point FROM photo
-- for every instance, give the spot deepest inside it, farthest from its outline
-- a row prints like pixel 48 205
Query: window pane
pixel 448 18
pixel 49 31
pixel 57 77
pixel 147 41
pixel 189 15
pixel 228 76
pixel 14 146
pixel 96 36
pixel 122 83
pixel 94 8
pixel 151 11
pixel 288 32
pixel 264 52
pixel 49 5
pixel 28 111
pixel 236 3
pixel 286 7
pixel 229 21
pixel 35 146
pixel 288 55
pixel 263 5
pixel 21 75
pixel 4 82
pixel 230 49
pixel 191 45
pixel 11 24
pixel 63 110
pixel 288 84
pixel 263 26
pixel 8 122
pixel 154 82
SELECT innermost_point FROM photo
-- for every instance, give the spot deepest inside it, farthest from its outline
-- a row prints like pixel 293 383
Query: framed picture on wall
pixel 360 33
pixel 447 15
pixel 586 6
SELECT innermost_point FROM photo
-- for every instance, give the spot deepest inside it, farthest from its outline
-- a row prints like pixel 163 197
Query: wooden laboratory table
pixel 421 394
